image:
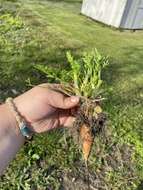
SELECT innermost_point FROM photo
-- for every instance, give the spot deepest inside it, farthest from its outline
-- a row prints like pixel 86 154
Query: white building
pixel 126 14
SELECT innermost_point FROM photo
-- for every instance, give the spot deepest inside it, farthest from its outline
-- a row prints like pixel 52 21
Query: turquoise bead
pixel 25 131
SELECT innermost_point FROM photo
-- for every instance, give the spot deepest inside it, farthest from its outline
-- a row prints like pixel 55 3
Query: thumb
pixel 59 100
pixel 69 102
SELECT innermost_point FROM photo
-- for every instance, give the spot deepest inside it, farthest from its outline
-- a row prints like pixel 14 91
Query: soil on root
pixel 90 122
pixel 118 161
pixel 111 167
pixel 90 113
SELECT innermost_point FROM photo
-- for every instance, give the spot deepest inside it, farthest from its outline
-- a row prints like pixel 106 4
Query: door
pixel 138 21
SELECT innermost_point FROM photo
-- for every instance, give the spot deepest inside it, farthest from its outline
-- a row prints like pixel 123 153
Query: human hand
pixel 45 109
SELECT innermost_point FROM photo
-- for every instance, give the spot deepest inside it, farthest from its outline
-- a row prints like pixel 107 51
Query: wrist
pixel 8 122
pixel 22 110
pixel 22 125
pixel 10 141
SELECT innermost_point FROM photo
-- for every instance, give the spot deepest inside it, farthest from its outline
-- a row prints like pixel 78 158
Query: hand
pixel 46 109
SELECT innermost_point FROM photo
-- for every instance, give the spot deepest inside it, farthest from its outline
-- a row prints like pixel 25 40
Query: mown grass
pixel 44 32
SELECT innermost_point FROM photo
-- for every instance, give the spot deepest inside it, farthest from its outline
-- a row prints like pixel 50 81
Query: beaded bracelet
pixel 22 124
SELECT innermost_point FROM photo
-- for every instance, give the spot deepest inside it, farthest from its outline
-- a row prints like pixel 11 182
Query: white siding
pixel 107 11
pixel 118 13
pixel 138 21
pixel 130 14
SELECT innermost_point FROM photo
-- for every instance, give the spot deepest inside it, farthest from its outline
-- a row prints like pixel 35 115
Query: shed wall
pixel 107 11
pixel 129 16
pixel 138 21
pixel 126 14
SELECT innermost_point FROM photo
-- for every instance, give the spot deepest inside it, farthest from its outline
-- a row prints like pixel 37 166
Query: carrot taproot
pixel 87 141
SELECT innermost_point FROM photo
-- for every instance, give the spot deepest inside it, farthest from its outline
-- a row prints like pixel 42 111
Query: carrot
pixel 87 141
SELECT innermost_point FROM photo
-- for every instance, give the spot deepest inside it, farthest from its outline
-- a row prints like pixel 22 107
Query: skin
pixel 43 108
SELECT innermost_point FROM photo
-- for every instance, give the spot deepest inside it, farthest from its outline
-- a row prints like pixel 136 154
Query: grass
pixel 46 30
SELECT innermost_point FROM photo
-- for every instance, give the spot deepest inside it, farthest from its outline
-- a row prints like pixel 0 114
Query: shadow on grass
pixel 123 82
pixel 130 67
pixel 16 69
pixel 140 187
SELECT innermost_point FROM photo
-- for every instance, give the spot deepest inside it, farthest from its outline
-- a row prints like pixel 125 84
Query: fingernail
pixel 74 99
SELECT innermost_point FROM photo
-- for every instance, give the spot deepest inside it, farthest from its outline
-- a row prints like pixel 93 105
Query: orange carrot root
pixel 87 141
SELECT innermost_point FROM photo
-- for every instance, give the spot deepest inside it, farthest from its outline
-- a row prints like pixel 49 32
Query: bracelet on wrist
pixel 22 126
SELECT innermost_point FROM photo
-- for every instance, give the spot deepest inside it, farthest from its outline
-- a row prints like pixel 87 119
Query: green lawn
pixel 41 31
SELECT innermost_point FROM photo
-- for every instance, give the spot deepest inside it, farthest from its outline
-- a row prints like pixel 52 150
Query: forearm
pixel 42 108
pixel 10 140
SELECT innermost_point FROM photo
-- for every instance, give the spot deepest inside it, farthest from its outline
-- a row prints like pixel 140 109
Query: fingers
pixel 69 102
pixel 45 125
pixel 59 100
pixel 48 85
pixel 69 122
